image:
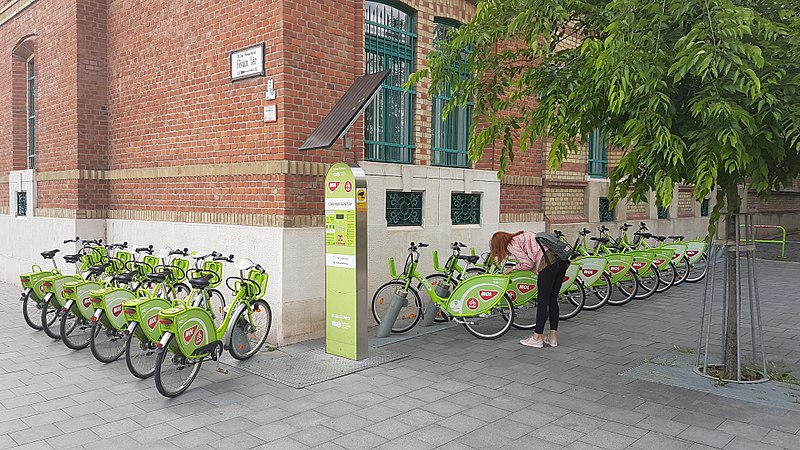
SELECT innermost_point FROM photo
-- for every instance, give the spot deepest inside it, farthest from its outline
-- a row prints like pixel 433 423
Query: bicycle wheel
pixel 525 315
pixel 493 323
pixel 107 344
pixel 648 282
pixel 140 354
pixel 627 287
pixel 50 315
pixel 250 331
pixel 216 306
pixel 180 291
pixel 697 271
pixel 174 372
pixel 571 302
pixel 602 293
pixel 30 310
pixel 681 271
pixel 434 280
pixel 409 314
pixel 75 331
pixel 667 277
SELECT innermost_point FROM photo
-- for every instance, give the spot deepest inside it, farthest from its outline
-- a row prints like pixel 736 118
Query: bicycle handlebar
pixel 584 232
pixel 77 239
pixel 184 252
pixel 602 228
pixel 92 241
pixel 625 226
pixel 119 246
pixel 228 258
pixel 642 226
pixel 148 249
pixel 243 280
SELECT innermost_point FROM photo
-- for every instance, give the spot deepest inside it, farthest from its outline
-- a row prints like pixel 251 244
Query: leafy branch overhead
pixel 702 92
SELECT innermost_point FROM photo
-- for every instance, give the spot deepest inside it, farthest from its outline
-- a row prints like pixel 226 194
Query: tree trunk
pixel 731 343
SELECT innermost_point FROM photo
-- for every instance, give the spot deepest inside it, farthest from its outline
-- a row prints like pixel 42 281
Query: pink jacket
pixel 527 251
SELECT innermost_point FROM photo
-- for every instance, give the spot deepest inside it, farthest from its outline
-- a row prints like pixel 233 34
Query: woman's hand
pixel 508 270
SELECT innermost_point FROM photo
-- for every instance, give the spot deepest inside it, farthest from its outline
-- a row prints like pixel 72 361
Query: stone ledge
pixel 520 180
pixel 273 220
pixel 13 8
pixel 566 218
pixel 523 217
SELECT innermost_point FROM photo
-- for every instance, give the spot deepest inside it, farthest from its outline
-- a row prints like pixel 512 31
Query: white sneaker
pixel 550 343
pixel 531 342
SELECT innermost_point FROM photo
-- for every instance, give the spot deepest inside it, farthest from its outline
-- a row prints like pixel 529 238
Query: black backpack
pixel 549 241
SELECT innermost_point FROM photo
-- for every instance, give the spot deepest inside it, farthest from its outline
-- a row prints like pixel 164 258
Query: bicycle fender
pixel 226 339
pixel 162 344
pixel 25 294
pixel 68 305
pixel 96 316
pixel 131 327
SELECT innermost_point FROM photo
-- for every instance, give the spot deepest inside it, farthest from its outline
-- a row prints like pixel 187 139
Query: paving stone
pixel 704 436
pixel 625 430
pixel 360 439
pixel 698 419
pixel 740 443
pixel 556 434
pixel 155 433
pixel 607 439
pixel 273 431
pixel 745 430
pixel 654 440
pixel 663 426
pixel 237 441
pixel 579 422
pixel 391 428
pixel 780 438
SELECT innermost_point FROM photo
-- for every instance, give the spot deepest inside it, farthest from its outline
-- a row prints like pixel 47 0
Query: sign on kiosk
pixel 345 263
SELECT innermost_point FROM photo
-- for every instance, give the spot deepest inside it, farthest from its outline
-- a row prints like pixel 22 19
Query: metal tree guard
pixel 724 251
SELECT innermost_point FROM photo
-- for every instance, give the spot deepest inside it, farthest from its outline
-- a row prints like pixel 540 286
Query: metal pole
pixel 738 300
pixel 397 303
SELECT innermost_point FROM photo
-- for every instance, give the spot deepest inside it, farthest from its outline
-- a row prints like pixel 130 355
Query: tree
pixel 702 92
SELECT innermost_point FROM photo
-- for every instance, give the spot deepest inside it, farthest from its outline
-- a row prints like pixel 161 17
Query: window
pixel 22 203
pixel 663 213
pixel 403 208
pixel 465 209
pixel 389 45
pixel 704 208
pixel 598 157
pixel 606 211
pixel 451 135
pixel 31 88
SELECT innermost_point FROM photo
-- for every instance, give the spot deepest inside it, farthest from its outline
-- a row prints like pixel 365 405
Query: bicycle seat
pixel 72 259
pixel 644 235
pixel 157 277
pixel 97 270
pixel 660 238
pixel 472 259
pixel 201 282
pixel 604 240
pixel 50 254
pixel 678 237
pixel 125 277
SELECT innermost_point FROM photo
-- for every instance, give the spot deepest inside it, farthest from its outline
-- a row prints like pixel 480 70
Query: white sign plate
pixel 247 62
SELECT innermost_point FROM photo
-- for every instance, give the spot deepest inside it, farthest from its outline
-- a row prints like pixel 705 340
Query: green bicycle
pixel 191 335
pixel 480 303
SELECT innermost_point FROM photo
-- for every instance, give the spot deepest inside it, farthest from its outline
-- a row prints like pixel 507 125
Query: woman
pixel 530 255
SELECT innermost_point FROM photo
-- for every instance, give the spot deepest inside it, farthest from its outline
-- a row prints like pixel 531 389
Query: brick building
pixel 120 120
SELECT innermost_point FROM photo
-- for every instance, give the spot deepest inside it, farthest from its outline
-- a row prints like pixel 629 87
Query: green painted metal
pixel 598 155
pixel 606 211
pixel 781 241
pixel 465 209
pixel 403 208
pixel 22 203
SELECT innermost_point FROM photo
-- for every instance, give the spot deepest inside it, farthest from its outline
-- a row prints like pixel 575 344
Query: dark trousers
pixel 550 279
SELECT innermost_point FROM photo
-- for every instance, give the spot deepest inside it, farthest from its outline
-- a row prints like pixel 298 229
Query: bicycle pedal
pixel 221 369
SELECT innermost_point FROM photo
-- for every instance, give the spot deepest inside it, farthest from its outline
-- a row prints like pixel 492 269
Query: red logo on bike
pixel 486 295
pixel 333 185
pixel 676 256
pixel 566 278
pixel 589 272
pixel 638 265
pixel 116 311
pixel 86 302
pixel 198 338
pixel 616 269
pixel 658 262
pixel 189 333
pixel 691 253
pixel 348 186
pixel 152 322
pixel 525 288
pixel 473 303
pixel 513 294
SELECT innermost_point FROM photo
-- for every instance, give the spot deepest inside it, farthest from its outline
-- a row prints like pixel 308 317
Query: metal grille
pixel 704 208
pixel 403 208
pixel 31 115
pixel 22 203
pixel 450 135
pixel 465 209
pixel 663 213
pixel 389 45
pixel 598 159
pixel 606 211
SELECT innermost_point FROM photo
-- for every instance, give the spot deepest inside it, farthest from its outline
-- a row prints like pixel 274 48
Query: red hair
pixel 498 245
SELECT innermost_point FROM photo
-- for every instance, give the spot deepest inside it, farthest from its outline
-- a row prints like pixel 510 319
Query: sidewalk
pixel 454 391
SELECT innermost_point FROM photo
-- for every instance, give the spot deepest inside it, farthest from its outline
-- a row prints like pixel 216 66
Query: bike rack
pixel 781 241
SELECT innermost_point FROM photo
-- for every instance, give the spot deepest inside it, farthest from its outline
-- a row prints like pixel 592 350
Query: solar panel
pixel 346 111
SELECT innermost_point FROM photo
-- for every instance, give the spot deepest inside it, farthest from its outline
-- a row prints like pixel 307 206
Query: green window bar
pixel 450 135
pixel 31 115
pixel 704 208
pixel 389 45
pixel 403 209
pixel 465 209
pixel 663 213
pixel 606 211
pixel 22 203
pixel 598 156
